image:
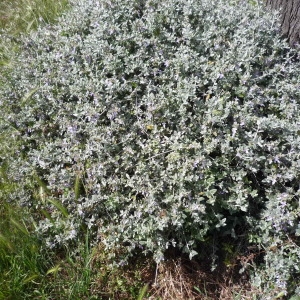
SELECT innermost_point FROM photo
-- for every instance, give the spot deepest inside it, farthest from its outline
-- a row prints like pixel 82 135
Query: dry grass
pixel 175 278
pixel 189 280
pixel 175 281
pixel 24 15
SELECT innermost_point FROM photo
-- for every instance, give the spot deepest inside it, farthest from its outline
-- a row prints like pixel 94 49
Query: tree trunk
pixel 290 18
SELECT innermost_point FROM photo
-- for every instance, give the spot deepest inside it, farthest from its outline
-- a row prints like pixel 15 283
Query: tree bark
pixel 290 18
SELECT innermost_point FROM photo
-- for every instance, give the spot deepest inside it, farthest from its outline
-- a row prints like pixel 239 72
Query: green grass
pixel 21 263
pixel 28 271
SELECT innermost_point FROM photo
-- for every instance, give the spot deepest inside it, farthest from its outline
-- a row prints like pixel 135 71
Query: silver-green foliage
pixel 158 123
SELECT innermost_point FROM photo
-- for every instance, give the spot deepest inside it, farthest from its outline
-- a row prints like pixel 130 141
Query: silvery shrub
pixel 157 124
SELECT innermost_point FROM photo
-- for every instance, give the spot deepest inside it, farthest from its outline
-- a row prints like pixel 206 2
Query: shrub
pixel 158 123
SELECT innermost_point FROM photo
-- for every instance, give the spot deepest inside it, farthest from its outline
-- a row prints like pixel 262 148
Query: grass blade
pixel 5 242
pixel 60 207
pixel 143 292
pixel 19 226
pixel 54 270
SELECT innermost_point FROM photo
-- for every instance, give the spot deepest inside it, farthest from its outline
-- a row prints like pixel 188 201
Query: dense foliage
pixel 159 123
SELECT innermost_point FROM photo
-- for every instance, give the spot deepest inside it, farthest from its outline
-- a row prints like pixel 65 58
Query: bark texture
pixel 290 18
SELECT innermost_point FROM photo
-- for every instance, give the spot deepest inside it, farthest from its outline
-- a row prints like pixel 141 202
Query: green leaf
pixel 5 242
pixel 143 292
pixel 60 207
pixel 54 270
pixel 19 226
pixel 28 96
pixel 30 278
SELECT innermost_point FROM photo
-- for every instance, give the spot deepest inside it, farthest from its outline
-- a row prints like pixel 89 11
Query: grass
pixel 21 263
pixel 22 16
